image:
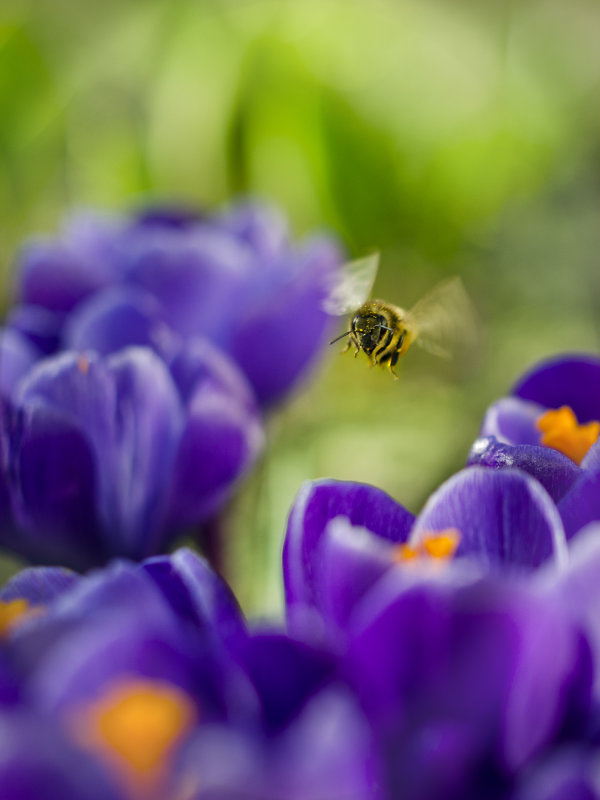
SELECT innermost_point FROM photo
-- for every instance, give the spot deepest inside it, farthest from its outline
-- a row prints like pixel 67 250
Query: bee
pixel 440 321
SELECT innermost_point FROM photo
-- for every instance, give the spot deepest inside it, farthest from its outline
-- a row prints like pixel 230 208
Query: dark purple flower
pixel 107 456
pixel 549 428
pixel 165 275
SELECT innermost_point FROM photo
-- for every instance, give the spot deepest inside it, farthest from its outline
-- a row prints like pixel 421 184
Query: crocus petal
pixel 512 421
pixel 285 324
pixel 220 440
pixel 36 760
pixel 315 506
pixel 115 318
pixel 567 380
pixel 196 592
pixel 352 559
pixel 194 274
pixel 197 361
pixel 54 499
pixel 552 469
pixel 39 325
pixel 285 672
pixel 567 774
pixel 263 228
pixel 39 585
pixel 506 518
pixel 581 504
pixel 149 424
pixel 17 356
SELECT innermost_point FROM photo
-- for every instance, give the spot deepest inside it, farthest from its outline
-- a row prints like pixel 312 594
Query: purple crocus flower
pixel 117 455
pixel 549 428
pixel 148 669
pixel 468 670
pixel 342 537
pixel 162 276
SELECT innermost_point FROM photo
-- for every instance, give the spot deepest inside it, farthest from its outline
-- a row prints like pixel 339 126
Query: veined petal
pixel 512 421
pixel 318 503
pixel 506 518
pixel 555 471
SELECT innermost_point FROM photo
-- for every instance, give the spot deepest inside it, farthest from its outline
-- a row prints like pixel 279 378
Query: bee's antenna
pixel 333 341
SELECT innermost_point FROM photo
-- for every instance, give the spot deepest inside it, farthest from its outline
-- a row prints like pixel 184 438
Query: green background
pixel 456 137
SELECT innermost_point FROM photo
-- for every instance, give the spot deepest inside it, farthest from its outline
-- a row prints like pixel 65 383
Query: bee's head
pixel 368 327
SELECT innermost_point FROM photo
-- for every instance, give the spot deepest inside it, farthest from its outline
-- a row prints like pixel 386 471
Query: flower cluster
pixel 451 655
pixel 135 370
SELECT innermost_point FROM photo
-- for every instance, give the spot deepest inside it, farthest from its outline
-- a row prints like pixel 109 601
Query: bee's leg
pixel 392 363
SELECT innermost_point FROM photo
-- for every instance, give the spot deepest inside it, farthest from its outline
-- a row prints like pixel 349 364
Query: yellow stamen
pixel 135 726
pixel 13 612
pixel 433 545
pixel 561 431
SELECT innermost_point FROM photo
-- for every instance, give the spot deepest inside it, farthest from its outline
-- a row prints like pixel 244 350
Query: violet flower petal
pixel 17 356
pixel 195 592
pixel 220 440
pixel 319 502
pixel 506 518
pixel 513 421
pixel 581 504
pixel 39 585
pixel 552 469
pixel 572 380
pixel 37 760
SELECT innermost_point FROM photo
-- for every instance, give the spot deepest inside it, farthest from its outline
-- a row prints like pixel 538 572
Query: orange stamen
pixel 135 725
pixel 83 365
pixel 561 431
pixel 433 545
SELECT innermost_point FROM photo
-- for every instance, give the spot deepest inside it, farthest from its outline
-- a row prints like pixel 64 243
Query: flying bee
pixel 439 322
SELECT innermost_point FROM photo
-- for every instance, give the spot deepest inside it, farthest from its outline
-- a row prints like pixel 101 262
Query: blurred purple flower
pixel 116 455
pixel 153 659
pixel 565 458
pixel 164 275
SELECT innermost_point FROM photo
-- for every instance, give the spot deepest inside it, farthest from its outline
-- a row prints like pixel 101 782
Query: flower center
pixel 433 546
pixel 135 725
pixel 13 612
pixel 561 431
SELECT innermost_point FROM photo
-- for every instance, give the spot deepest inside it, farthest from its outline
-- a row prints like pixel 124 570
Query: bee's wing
pixel 354 287
pixel 444 319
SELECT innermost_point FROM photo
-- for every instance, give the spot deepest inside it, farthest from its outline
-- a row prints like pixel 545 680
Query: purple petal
pixel 506 518
pixel 116 318
pixel 581 504
pixel 263 228
pixel 40 326
pixel 572 380
pixel 316 505
pixel 36 760
pixel 285 324
pixel 194 274
pixel 54 498
pixel 566 774
pixel 552 469
pixel 58 274
pixel 196 592
pixel 149 423
pixel 512 421
pixel 17 356
pixel 167 216
pixel 352 560
pixel 220 441
pixel 39 585
pixel 198 362
pixel 286 673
